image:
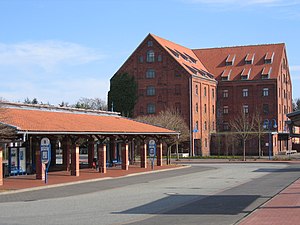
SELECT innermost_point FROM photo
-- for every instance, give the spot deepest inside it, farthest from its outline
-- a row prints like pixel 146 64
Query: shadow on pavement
pixel 197 204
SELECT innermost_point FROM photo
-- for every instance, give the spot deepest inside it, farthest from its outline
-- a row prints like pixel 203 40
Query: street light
pixel 268 124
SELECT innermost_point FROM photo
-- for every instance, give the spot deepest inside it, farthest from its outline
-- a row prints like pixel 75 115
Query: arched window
pixel 150 56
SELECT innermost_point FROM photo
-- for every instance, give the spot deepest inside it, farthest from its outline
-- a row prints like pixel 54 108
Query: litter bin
pixel 5 169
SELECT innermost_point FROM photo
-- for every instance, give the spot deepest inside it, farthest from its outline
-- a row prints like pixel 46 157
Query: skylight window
pixel 266 72
pixel 226 74
pixel 269 57
pixel 190 58
pixel 182 55
pixel 230 60
pixel 245 73
pixel 173 52
pixel 194 71
pixel 249 58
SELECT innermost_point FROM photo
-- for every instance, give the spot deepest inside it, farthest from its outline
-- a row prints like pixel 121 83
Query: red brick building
pixel 252 78
pixel 211 85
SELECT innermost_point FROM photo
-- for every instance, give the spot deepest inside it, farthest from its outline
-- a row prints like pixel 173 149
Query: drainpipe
pixel 191 125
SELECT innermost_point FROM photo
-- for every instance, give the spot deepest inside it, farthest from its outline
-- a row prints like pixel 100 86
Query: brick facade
pixel 194 82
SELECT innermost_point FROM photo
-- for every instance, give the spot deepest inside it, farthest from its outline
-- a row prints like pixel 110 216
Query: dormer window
pixel 190 58
pixel 193 70
pixel 269 57
pixel 249 58
pixel 226 75
pixel 230 60
pixel 173 52
pixel 245 73
pixel 266 72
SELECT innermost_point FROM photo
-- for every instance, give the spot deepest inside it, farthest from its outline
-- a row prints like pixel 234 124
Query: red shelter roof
pixel 45 121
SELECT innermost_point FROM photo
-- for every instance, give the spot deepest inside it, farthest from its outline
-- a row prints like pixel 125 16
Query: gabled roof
pixel 214 59
pixel 185 57
pixel 45 121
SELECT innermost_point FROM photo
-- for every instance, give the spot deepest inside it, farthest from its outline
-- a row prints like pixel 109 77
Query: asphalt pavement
pixel 201 194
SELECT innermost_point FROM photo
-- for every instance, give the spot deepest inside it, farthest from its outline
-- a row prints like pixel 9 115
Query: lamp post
pixel 269 124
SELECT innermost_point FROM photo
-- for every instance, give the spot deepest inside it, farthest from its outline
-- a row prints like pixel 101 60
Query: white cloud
pixel 295 68
pixel 46 54
pixel 241 3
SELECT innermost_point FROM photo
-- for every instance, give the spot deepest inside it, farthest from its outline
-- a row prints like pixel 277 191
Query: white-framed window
pixel 265 91
pixel 150 73
pixel 150 56
pixel 245 92
pixel 225 109
pixel 150 108
pixel 245 109
pixel 150 43
pixel 225 93
pixel 150 90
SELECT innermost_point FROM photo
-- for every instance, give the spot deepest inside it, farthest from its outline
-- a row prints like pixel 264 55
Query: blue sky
pixel 62 50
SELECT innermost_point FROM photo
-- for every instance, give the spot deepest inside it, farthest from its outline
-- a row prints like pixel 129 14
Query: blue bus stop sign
pixel 45 150
pixel 46 155
pixel 152 149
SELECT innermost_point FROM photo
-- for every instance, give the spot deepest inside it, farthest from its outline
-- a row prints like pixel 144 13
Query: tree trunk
pixel 177 154
pixel 244 151
pixel 169 154
pixel 259 146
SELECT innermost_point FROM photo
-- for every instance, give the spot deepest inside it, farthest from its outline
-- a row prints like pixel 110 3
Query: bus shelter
pixel 107 136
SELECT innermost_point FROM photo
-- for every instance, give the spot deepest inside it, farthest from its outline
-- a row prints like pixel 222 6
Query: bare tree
pixel 242 126
pixel 91 103
pixel 170 119
pixel 259 130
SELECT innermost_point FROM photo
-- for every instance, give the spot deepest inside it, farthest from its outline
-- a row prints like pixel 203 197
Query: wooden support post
pixel 159 152
pixel 1 166
pixel 39 166
pixel 66 154
pixel 125 156
pixel 53 153
pixel 102 158
pixel 91 152
pixel 75 160
pixel 144 155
